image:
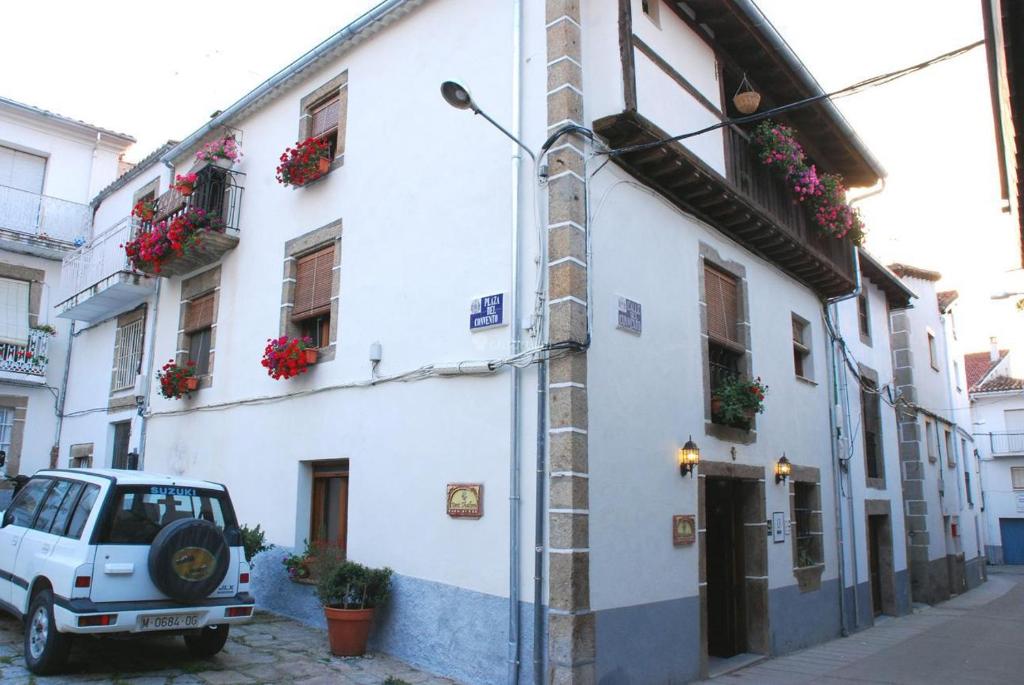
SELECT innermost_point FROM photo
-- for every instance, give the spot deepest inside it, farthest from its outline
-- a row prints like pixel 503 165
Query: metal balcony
pixel 96 280
pixel 1006 444
pixel 25 363
pixel 42 225
pixel 218 192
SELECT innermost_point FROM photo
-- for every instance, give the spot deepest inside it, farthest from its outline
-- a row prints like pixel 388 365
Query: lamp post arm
pixel 495 124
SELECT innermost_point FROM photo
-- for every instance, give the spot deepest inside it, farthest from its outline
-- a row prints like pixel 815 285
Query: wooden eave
pixel 822 263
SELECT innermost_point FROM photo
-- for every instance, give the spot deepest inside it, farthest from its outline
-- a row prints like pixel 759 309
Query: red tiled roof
pixel 1000 384
pixel 978 364
pixel 902 270
pixel 946 298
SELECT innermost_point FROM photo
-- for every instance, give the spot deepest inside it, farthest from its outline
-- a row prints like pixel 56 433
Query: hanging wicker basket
pixel 747 102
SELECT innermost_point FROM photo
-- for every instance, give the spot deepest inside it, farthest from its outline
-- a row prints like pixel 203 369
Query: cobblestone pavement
pixel 270 649
pixel 970 640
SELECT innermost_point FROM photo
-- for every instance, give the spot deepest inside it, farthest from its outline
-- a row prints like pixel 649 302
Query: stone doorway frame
pixel 755 555
pixel 887 560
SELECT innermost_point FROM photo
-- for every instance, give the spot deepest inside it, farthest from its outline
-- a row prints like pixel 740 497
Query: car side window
pixel 23 508
pixel 82 511
pixel 60 522
pixel 51 504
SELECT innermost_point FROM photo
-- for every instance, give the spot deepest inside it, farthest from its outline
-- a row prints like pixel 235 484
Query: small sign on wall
pixel 684 530
pixel 487 312
pixel 778 527
pixel 465 500
pixel 630 316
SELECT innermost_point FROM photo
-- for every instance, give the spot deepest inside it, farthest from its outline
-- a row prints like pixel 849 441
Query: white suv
pixel 91 551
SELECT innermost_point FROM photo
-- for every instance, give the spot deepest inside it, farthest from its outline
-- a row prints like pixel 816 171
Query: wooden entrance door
pixel 876 529
pixel 725 567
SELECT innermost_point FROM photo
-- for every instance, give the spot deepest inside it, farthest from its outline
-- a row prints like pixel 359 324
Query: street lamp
pixel 457 95
pixel 1004 296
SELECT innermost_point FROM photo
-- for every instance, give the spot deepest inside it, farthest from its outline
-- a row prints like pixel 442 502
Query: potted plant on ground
pixel 736 400
pixel 286 357
pixel 223 152
pixel 185 184
pixel 350 593
pixel 177 380
pixel 307 161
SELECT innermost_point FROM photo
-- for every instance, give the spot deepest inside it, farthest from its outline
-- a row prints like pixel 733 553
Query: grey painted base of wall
pixel 801 619
pixel 975 572
pixel 904 602
pixel 440 628
pixel 649 643
pixel 994 553
pixel 865 607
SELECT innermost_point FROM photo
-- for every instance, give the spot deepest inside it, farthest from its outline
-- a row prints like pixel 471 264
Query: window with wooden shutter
pixel 313 278
pixel 199 314
pixel 325 117
pixel 721 295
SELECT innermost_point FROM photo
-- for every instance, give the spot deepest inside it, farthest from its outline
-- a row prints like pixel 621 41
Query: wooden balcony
pixel 218 192
pixel 749 205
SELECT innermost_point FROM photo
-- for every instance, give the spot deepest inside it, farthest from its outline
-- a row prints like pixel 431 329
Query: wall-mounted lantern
pixel 689 457
pixel 783 469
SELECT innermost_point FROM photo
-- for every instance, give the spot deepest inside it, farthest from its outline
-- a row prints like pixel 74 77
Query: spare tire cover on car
pixel 188 559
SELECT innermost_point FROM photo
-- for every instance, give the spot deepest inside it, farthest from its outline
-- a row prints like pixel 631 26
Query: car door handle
pixel 46 549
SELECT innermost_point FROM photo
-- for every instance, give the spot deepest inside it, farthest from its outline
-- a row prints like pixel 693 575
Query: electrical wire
pixel 852 89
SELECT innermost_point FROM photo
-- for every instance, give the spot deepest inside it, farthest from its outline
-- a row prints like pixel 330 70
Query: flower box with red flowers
pixel 309 160
pixel 176 380
pixel 736 400
pixel 824 194
pixel 144 210
pixel 185 184
pixel 286 357
pixel 151 248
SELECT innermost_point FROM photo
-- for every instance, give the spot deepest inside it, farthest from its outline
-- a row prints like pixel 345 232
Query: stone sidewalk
pixel 270 649
pixel 971 639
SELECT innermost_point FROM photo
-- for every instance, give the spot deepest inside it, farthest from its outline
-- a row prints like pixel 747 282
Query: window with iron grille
pixel 807 519
pixel 128 354
pixel 311 309
pixel 871 418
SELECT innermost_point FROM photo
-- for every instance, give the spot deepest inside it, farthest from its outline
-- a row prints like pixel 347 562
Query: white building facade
pixel 997 407
pixel 625 288
pixel 50 166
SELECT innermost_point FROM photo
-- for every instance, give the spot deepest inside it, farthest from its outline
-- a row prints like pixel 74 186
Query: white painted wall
pixel 875 354
pixel 646 396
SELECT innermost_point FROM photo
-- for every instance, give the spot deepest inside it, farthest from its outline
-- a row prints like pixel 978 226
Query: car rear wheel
pixel 207 642
pixel 46 649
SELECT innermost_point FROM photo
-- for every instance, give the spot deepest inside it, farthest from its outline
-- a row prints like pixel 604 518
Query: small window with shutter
pixel 311 308
pixel 322 114
pixel 725 349
pixel 325 117
pixel 199 318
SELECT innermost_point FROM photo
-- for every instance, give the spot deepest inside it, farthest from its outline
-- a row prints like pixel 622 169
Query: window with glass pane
pixel 871 418
pixel 51 504
pixel 82 510
pixel 6 428
pixel 311 310
pixel 60 521
pixel 325 117
pixel 199 329
pixel 329 512
pixel 138 515
pixel 23 508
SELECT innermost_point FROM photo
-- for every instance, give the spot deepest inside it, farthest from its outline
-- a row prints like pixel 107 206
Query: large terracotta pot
pixel 192 383
pixel 324 165
pixel 311 354
pixel 348 630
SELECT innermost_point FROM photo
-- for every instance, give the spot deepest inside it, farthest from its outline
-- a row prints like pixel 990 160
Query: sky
pixel 157 73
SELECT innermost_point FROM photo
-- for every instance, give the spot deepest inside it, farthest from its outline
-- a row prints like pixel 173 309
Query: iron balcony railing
pixel 42 216
pixel 29 358
pixel 94 262
pixel 1006 443
pixel 218 191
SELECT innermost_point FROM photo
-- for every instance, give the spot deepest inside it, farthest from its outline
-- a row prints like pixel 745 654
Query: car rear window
pixel 139 512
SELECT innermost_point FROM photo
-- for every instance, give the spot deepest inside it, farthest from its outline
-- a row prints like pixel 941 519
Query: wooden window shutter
pixel 199 314
pixel 325 117
pixel 313 279
pixel 721 294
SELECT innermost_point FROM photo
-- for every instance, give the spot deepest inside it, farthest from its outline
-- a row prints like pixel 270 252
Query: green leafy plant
pixel 348 585
pixel 254 540
pixel 737 399
pixel 45 328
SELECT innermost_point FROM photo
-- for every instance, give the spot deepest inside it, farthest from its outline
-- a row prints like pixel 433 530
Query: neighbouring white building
pixel 997 406
pixel 943 513
pixel 870 482
pixel 50 166
pixel 546 337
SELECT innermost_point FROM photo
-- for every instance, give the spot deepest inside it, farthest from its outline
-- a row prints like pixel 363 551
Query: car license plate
pixel 169 621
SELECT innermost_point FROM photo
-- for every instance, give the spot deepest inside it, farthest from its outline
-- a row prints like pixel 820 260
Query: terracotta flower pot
pixel 310 354
pixel 323 166
pixel 185 191
pixel 716 406
pixel 348 630
pixel 192 384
